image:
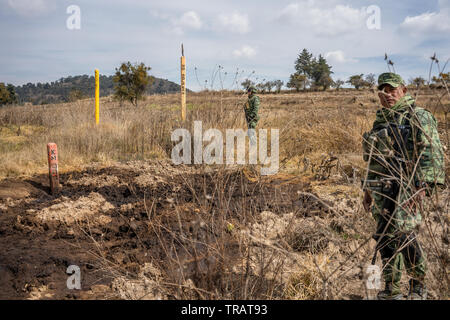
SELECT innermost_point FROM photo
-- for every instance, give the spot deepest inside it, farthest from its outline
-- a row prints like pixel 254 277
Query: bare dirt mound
pixel 116 218
pixel 151 230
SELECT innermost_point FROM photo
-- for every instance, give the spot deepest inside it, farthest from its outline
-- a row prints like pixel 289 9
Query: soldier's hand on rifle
pixel 367 201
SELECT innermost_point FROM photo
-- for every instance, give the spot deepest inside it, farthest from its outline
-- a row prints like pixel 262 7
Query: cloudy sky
pixel 256 38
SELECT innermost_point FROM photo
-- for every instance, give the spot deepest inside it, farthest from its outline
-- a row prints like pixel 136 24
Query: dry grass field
pixel 140 227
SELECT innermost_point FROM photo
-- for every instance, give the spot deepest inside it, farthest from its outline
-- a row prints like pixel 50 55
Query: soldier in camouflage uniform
pixel 406 162
pixel 251 108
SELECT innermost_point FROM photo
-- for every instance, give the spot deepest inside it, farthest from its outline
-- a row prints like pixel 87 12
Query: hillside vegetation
pixel 75 87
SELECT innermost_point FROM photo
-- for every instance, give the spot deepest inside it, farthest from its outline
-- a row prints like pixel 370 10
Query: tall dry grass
pixel 311 124
pixel 319 133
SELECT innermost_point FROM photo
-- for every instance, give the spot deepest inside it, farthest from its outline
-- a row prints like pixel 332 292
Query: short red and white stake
pixel 53 174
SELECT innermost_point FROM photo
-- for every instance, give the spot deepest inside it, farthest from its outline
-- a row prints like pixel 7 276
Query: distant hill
pixel 75 87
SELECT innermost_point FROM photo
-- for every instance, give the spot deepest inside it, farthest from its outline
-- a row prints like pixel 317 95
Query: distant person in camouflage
pixel 406 163
pixel 251 108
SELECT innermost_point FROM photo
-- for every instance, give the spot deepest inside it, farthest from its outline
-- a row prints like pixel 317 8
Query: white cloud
pixel 34 47
pixel 235 22
pixel 323 20
pixel 191 20
pixel 30 7
pixel 289 13
pixel 429 22
pixel 244 52
pixel 338 57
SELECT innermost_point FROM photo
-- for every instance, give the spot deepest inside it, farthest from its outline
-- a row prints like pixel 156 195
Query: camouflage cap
pixel 390 78
pixel 251 88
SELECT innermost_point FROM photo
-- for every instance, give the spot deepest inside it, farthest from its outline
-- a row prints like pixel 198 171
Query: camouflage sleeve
pixel 366 143
pixel 375 168
pixel 431 163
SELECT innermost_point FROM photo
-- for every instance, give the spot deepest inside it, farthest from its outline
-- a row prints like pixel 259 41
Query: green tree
pixel 76 95
pixel 311 70
pixel 261 87
pixel 278 85
pixel 321 73
pixel 445 77
pixel 4 94
pixel 370 80
pixel 297 81
pixel 247 83
pixel 269 85
pixel 440 80
pixel 304 63
pixel 7 94
pixel 12 93
pixel 357 81
pixel 303 71
pixel 338 84
pixel 131 81
pixel 418 82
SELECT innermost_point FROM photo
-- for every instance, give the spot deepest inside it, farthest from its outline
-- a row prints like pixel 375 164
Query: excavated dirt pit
pixel 151 230
pixel 104 221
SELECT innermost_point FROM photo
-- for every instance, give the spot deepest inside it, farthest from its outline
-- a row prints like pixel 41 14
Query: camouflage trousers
pixel 252 136
pixel 402 253
pixel 251 123
pixel 399 247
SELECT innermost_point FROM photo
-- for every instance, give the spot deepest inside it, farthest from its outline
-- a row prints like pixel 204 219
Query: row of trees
pixel 369 81
pixel 314 74
pixel 435 81
pixel 265 86
pixel 132 81
pixel 310 72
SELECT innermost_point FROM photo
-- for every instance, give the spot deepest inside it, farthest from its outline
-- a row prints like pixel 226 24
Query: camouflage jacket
pixel 251 108
pixel 405 141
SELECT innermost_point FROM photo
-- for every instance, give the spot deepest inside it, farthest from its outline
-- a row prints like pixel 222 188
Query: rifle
pixel 245 112
pixel 390 190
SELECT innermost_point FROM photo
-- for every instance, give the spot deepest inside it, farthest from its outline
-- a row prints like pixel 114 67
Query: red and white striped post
pixel 53 174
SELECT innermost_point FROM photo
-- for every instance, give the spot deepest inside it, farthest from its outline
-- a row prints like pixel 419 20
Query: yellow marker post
pixel 183 85
pixel 97 97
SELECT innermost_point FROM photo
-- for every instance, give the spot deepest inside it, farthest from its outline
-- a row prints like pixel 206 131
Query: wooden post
pixel 52 151
pixel 97 97
pixel 183 85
